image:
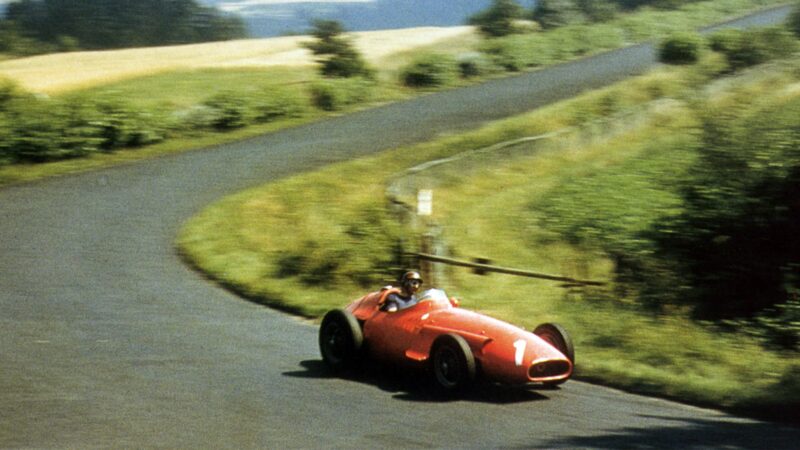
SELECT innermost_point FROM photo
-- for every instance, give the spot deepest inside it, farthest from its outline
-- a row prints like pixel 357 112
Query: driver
pixel 410 283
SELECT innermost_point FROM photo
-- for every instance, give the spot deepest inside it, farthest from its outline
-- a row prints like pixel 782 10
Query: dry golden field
pixel 66 71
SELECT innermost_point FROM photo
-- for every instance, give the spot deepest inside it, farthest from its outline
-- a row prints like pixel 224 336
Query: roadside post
pixel 427 244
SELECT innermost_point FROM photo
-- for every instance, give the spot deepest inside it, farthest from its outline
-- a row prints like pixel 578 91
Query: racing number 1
pixel 520 346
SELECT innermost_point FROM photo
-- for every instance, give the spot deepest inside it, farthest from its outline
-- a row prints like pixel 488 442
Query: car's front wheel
pixel 340 340
pixel 452 362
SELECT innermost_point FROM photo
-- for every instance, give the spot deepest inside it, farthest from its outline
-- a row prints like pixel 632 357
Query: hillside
pixel 65 71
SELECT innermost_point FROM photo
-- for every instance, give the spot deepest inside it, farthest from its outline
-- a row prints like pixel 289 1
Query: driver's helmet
pixel 409 278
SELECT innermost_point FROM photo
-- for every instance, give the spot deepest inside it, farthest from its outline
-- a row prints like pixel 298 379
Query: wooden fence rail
pixel 481 267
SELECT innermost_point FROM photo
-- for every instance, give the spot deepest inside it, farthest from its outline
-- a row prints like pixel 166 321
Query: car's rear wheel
pixel 340 340
pixel 452 362
pixel 555 335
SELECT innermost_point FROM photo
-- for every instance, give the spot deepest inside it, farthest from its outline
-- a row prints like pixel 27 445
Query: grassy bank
pixel 490 205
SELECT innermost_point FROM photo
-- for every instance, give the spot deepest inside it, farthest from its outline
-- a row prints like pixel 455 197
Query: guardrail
pixel 483 267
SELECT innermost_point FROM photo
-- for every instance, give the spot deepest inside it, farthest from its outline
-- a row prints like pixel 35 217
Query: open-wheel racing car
pixel 455 344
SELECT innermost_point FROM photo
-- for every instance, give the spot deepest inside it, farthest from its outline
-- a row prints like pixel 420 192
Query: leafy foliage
pixel 746 48
pixel 104 24
pixel 230 110
pixel 336 94
pixel 430 70
pixel 736 239
pixel 705 217
pixel 793 23
pixel 41 130
pixel 337 55
pixel 683 48
pixel 498 19
pixel 557 13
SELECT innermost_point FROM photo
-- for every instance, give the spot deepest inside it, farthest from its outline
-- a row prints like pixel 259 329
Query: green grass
pixel 186 88
pixel 489 206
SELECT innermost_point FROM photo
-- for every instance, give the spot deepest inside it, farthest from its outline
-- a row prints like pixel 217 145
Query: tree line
pixel 40 26
pixel 503 16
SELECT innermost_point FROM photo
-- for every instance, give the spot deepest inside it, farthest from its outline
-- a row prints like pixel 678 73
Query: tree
pixel 101 24
pixel 794 20
pixel 498 19
pixel 557 13
pixel 598 10
pixel 336 54
pixel 736 240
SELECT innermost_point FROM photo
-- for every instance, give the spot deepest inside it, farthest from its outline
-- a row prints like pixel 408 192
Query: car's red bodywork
pixel 503 352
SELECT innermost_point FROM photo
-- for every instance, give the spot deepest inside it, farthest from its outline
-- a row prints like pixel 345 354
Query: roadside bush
pixel 520 51
pixel 273 104
pixel 336 94
pixel 430 70
pixel 498 19
pixel 120 125
pixel 793 22
pixel 5 139
pixel 746 48
pixel 194 119
pixel 8 91
pixel 681 48
pixel 505 53
pixel 230 110
pixel 557 13
pixel 37 131
pixel 472 65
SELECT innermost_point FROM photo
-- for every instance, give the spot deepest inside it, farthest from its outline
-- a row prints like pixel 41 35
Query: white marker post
pixel 425 209
pixel 424 202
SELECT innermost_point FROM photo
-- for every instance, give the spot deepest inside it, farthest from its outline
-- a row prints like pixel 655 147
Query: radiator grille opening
pixel 548 369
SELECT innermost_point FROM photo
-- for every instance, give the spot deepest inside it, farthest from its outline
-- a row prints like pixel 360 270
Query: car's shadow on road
pixel 417 385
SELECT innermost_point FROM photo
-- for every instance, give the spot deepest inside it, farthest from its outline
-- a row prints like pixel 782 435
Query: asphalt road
pixel 108 340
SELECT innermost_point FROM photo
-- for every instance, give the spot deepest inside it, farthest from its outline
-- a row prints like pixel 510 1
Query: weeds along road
pixel 108 340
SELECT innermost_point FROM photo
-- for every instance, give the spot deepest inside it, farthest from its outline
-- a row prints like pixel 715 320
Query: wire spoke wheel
pixel 340 340
pixel 452 362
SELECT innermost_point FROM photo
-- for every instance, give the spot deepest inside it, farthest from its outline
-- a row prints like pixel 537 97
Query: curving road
pixel 108 340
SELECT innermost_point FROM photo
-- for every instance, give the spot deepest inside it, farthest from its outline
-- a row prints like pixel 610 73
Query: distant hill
pixel 276 17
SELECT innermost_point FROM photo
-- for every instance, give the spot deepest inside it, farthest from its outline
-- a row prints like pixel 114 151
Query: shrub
pixel 793 22
pixel 195 118
pixel 5 138
pixel 505 53
pixel 274 104
pixel 746 48
pixel 683 48
pixel 335 94
pixel 36 131
pixel 120 125
pixel 338 56
pixel 8 91
pixel 473 65
pixel 498 19
pixel 557 13
pixel 430 70
pixel 229 110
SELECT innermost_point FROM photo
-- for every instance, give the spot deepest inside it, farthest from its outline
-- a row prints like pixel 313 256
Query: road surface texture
pixel 108 340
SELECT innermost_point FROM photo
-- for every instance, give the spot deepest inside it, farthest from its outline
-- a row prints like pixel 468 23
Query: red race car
pixel 457 345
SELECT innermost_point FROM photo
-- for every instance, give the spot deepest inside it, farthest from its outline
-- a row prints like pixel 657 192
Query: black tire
pixel 558 337
pixel 340 340
pixel 452 363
